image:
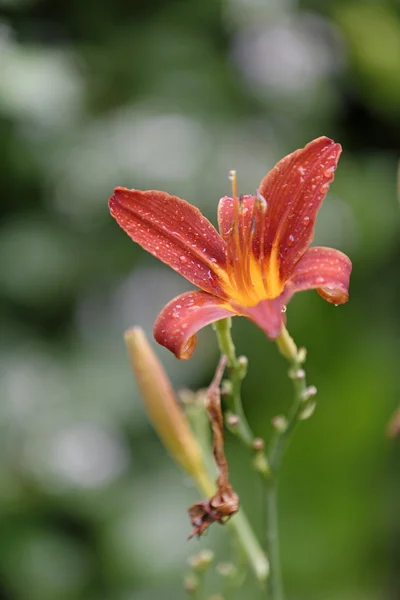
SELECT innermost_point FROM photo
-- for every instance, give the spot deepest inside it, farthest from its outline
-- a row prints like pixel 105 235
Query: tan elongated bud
pixel 163 410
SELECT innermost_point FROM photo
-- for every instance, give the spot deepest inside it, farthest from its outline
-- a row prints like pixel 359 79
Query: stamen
pixel 262 200
pixel 232 177
pixel 234 248
pixel 247 251
pixel 261 206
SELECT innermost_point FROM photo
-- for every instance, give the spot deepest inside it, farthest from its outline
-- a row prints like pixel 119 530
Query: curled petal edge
pixel 180 320
pixel 324 269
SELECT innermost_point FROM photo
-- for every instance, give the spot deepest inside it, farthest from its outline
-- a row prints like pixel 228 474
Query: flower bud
pixel 297 374
pixel 258 444
pixel 301 355
pixel 191 584
pixel 308 393
pixel 201 561
pixel 279 423
pixel 232 421
pixel 163 409
pixel 226 569
pixel 243 363
pixel 308 411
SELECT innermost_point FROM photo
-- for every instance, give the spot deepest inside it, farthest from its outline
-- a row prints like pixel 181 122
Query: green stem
pixel 275 583
pixel 250 545
pixel 237 368
pixel 279 443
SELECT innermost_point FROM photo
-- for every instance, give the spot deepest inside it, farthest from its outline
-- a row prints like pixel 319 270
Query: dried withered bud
pixel 225 502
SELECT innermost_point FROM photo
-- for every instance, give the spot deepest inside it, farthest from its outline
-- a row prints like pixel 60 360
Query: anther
pixel 262 204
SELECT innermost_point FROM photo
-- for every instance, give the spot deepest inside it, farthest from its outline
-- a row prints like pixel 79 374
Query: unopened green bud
pixel 191 584
pixel 260 463
pixel 307 411
pixel 163 409
pixel 243 363
pixel 232 421
pixel 308 393
pixel 302 355
pixel 258 444
pixel 298 374
pixel 226 387
pixel 226 569
pixel 279 423
pixel 201 561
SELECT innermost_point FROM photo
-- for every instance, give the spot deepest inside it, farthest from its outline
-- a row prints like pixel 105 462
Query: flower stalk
pixel 236 420
pixel 302 407
pixel 176 434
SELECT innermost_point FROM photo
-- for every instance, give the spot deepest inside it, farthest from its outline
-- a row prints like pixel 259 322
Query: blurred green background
pixel 170 95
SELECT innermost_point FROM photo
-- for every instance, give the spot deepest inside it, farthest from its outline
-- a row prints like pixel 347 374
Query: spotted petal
pixel 175 232
pixel 324 269
pixel 294 190
pixel 180 319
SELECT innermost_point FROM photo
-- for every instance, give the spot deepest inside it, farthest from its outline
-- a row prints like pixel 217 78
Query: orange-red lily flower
pixel 260 258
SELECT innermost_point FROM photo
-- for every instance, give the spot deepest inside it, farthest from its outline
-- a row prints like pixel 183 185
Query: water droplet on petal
pixel 183 259
pixel 284 308
pixel 320 280
pixel 306 220
pixel 290 240
pixel 328 172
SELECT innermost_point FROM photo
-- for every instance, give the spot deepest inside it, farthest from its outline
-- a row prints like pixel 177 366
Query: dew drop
pixel 336 305
pixel 328 172
pixel 183 259
pixel 290 240
pixel 320 280
pixel 306 220
pixel 284 308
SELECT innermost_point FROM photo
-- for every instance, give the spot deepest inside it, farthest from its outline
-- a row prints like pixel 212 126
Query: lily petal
pixel 324 269
pixel 294 190
pixel 175 232
pixel 180 319
pixel 267 315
